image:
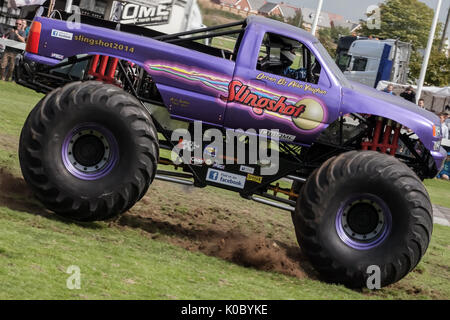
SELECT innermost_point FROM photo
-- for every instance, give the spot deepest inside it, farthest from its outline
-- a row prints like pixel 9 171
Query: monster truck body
pixel 348 149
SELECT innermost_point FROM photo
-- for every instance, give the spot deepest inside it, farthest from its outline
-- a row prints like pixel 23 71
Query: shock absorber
pixel 383 131
pixel 387 134
pixel 375 137
pixel 105 70
pixel 394 143
pixel 377 133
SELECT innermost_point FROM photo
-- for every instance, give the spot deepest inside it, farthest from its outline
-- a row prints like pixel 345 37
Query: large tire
pixel 89 151
pixel 359 209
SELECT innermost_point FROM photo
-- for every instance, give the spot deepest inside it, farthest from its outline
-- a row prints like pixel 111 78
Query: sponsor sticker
pixel 226 178
pixel 257 179
pixel 57 56
pixel 62 34
pixel 247 169
pixel 218 166
pixel 210 151
pixel 188 145
pixel 196 161
pixel 279 135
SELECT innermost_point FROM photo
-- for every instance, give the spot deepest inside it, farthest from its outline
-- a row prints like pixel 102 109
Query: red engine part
pixel 383 129
pixel 103 71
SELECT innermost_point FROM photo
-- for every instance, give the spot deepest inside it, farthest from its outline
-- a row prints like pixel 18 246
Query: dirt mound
pixel 252 251
pixel 15 194
pixel 256 252
pixel 11 184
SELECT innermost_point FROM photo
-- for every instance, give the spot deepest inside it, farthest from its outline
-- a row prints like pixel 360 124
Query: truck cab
pixel 306 87
pixel 373 60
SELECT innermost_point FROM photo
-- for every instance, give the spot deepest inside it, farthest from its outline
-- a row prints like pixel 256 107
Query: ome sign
pixel 151 13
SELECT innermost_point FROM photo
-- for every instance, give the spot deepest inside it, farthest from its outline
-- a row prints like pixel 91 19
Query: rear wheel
pixel 363 209
pixel 89 151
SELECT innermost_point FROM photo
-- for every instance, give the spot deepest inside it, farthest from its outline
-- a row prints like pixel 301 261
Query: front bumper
pixel 439 159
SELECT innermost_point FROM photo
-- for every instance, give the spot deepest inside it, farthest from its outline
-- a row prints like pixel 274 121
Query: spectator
pixel 443 117
pixel 25 28
pixel 389 89
pixel 445 173
pixel 447 121
pixel 9 56
pixel 2 47
pixel 409 94
pixel 421 103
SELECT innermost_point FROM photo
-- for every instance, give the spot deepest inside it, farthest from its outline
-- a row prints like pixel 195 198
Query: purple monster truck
pixel 116 93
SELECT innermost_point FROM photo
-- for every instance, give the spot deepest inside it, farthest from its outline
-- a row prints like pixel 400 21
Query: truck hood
pixel 386 104
pixel 359 98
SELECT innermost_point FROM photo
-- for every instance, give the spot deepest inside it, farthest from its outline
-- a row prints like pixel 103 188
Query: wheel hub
pixel 89 151
pixel 362 219
pixel 363 222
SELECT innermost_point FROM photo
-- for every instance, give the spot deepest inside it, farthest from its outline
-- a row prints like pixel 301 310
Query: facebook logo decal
pixel 227 178
pixel 213 175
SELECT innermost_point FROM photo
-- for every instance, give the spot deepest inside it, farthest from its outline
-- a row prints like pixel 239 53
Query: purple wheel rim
pixel 106 164
pixel 380 233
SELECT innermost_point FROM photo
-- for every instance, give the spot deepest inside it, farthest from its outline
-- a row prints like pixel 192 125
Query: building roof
pixel 256 4
pixel 308 17
pixel 288 11
pixel 268 7
pixel 229 2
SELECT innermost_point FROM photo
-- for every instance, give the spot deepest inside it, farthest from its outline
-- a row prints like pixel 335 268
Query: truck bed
pixel 183 41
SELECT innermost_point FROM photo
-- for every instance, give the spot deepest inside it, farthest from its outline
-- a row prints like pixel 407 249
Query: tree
pixel 297 20
pixel 329 38
pixel 276 17
pixel 406 20
pixel 438 71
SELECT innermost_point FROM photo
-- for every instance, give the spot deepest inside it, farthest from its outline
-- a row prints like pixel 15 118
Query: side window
pixel 288 58
pixel 359 64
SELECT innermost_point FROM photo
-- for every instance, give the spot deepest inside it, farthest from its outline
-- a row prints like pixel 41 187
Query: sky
pixel 355 9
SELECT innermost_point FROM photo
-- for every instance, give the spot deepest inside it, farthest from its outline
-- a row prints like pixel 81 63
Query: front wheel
pixel 89 151
pixel 363 211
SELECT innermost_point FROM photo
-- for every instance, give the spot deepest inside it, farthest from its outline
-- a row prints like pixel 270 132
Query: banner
pixel 150 13
pixel 22 3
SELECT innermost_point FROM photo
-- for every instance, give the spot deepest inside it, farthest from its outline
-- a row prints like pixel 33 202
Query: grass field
pixel 176 243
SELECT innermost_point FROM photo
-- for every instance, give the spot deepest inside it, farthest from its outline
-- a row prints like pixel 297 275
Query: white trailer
pixel 372 61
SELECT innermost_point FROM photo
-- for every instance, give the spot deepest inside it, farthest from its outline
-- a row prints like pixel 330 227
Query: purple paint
pixel 341 97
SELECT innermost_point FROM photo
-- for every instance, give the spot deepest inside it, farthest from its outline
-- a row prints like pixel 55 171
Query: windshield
pixel 329 62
